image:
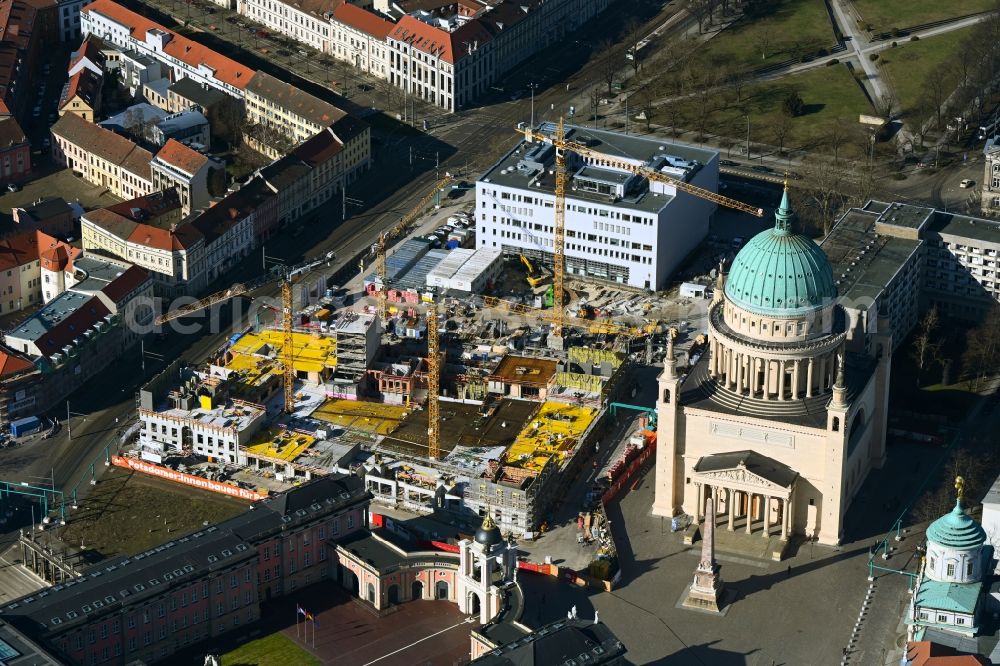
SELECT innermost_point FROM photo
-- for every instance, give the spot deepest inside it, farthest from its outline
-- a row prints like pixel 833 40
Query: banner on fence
pixel 186 479
pixel 622 481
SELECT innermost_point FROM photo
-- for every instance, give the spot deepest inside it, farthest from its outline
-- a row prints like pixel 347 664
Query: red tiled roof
pixel 449 46
pixel 72 327
pixel 320 148
pixel 90 49
pixel 19 249
pixel 125 284
pixel 180 47
pixel 59 258
pixel 11 364
pixel 120 220
pixel 927 653
pixel 365 21
pixel 85 84
pixel 11 133
pixel 178 155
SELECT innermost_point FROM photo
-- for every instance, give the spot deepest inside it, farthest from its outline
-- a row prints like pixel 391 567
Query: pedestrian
pixel 789 571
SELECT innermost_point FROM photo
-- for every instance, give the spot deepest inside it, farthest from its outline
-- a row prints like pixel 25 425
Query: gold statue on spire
pixel 959 488
pixel 488 523
pixel 786 181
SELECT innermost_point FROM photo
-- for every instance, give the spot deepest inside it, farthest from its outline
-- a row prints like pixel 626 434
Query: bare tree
pixel 936 91
pixel 738 79
pixel 610 54
pixel 824 185
pixel 926 343
pixel 781 128
pixel 633 35
pixel 647 104
pixel 836 137
pixel 763 41
pixel 673 115
pixel 701 10
pixel 982 350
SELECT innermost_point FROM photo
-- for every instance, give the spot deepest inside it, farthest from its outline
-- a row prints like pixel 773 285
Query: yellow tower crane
pixel 288 277
pixel 433 385
pixel 387 236
pixel 558 140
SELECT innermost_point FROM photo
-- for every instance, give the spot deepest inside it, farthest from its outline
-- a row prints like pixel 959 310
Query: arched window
pixel 836 424
pixel 666 396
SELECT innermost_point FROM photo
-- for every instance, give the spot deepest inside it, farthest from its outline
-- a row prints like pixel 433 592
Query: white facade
pixel 200 430
pixel 991 178
pixel 366 52
pixel 482 569
pixel 638 239
pixel 229 248
pixel 307 27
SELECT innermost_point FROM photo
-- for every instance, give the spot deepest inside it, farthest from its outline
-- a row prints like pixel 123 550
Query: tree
pixel 647 104
pixel 633 35
pixel 836 137
pixel 792 105
pixel 824 184
pixel 982 349
pixel 673 115
pixel 701 10
pixel 763 41
pixel 609 63
pixel 926 342
pixel 781 127
pixel 738 80
pixel 936 91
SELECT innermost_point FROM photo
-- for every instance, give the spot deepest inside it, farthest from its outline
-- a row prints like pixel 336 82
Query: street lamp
pixel 748 136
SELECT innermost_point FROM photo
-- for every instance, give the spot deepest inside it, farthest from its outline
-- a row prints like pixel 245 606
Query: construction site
pixel 457 376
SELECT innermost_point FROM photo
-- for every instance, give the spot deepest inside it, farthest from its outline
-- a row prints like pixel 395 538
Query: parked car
pixel 967 183
pixel 13 187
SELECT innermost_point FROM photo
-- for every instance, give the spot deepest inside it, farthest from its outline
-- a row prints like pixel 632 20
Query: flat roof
pixel 903 215
pixel 231 415
pixel 516 369
pixel 465 425
pixel 354 323
pixel 864 261
pixel 965 226
pixel 57 310
pixel 554 431
pixel 630 147
pixel 375 418
pixel 310 353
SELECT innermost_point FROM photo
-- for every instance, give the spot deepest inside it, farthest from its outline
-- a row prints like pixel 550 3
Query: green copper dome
pixel 956 530
pixel 780 272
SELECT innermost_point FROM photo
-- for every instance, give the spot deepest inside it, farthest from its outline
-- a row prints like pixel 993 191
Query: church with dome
pixel 783 417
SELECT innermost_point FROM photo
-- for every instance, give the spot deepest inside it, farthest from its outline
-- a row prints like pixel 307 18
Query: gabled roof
pixel 125 284
pixel 186 50
pixel 90 54
pixel 135 221
pixel 72 327
pixel 926 653
pixel 320 148
pixel 766 468
pixel 363 20
pixel 195 92
pixel 11 133
pixel 294 100
pixel 20 249
pixel 85 84
pixel 59 258
pixel 10 364
pixel 103 143
pixel 181 157
pixel 449 46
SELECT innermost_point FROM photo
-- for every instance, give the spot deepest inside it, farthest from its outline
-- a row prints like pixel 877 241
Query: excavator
pixel 535 277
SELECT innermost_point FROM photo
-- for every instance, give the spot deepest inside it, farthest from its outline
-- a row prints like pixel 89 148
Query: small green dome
pixel 956 530
pixel 780 272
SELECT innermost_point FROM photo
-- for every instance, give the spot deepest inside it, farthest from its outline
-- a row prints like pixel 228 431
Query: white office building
pixel 619 227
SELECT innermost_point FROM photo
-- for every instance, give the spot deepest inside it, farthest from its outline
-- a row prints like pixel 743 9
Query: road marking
pixel 468 620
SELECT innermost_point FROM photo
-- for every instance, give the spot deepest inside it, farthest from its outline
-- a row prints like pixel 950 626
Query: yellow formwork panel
pixel 372 417
pixel 554 431
pixel 284 445
pixel 312 353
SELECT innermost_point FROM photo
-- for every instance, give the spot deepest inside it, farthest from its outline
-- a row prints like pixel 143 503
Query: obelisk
pixel 706 589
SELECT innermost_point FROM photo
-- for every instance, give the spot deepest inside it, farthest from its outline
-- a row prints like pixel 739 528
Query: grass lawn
pixel 884 15
pixel 273 650
pixel 829 94
pixel 910 64
pixel 789 29
pixel 127 513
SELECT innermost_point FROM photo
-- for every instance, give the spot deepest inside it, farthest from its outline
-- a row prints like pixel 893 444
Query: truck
pixel 29 425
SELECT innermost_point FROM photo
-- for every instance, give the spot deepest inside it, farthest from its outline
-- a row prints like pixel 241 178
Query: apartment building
pixel 619 227
pixel 307 21
pixel 450 59
pixel 281 116
pixel 198 586
pixel 183 57
pixel 15 151
pixel 21 258
pixel 228 237
pixel 147 232
pixel 185 170
pixel 359 36
pixel 81 95
pixel 26 28
pixel 102 157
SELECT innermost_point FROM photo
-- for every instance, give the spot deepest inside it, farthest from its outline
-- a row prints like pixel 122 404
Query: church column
pixel 750 512
pixel 767 377
pixel 740 358
pixel 784 519
pixel 781 380
pixel 752 365
pixel 731 505
pixel 700 511
pixel 713 350
pixel 795 379
pixel 809 379
pixel 767 516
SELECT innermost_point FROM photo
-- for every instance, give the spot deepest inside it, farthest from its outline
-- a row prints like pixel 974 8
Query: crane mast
pixel 433 385
pixel 558 249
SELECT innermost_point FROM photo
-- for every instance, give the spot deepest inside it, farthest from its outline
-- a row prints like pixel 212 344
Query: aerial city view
pixel 499 332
